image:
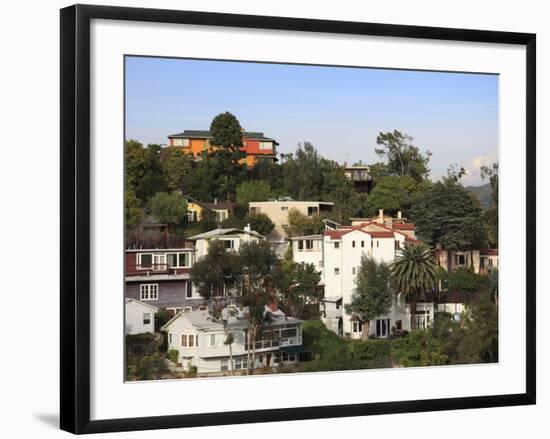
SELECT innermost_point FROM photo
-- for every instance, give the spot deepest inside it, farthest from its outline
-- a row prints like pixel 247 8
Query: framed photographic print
pixel 339 213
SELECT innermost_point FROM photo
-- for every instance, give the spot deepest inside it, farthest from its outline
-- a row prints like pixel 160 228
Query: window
pixel 266 145
pixel 383 327
pixel 284 208
pixel 188 309
pixel 289 357
pixel 191 340
pixel 212 340
pixel 336 245
pixel 240 363
pixel 312 210
pixel 309 244
pixel 353 244
pixel 377 243
pixel 229 243
pixel 254 210
pixel 224 364
pixel 185 142
pixel 184 340
pixel 177 260
pixel 288 333
pixel 145 260
pixel 397 244
pixel 146 318
pixel 353 270
pixel 356 327
pixel 159 261
pixel 149 291
pixel 337 271
pixel 169 338
pixel 362 243
pixel 321 264
pixel 300 245
pixel 189 289
pixel 460 260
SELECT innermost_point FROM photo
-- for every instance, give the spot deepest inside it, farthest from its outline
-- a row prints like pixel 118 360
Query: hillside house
pixel 256 146
pixel 200 340
pixel 277 211
pixel 337 255
pixel 232 239
pixel 161 278
pixel 196 209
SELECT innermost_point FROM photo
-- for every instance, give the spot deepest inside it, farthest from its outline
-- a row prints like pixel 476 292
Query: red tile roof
pixel 489 251
pixel 404 226
pixel 381 234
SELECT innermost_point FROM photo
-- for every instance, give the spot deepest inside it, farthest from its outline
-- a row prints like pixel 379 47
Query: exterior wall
pixel 134 318
pixel 309 256
pixel 196 147
pixel 209 358
pixel 202 244
pixel 171 293
pixel 277 211
pixel 196 209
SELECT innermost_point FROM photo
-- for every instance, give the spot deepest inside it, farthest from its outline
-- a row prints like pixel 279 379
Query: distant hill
pixel 483 194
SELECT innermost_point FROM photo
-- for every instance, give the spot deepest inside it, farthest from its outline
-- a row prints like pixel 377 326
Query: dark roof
pixel 205 134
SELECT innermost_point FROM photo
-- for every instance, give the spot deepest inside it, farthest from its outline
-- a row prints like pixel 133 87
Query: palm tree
pixel 414 271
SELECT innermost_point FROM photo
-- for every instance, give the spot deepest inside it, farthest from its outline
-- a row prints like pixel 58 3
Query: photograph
pixel 296 218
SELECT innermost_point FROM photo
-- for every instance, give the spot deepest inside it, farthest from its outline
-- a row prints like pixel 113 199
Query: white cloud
pixel 473 177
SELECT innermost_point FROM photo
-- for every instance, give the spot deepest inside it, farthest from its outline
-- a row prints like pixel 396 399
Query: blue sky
pixel 339 110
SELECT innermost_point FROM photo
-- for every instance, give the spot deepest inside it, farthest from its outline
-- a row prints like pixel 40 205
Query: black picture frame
pixel 75 217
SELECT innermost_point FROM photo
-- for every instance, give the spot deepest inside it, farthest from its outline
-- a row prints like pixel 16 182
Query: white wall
pixel 30 31
pixel 135 317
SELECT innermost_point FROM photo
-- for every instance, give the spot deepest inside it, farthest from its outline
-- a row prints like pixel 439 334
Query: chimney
pixel 381 216
pixel 215 201
pixel 247 228
pixel 398 214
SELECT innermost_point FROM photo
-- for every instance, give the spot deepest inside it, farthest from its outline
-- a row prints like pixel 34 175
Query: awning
pixel 292 349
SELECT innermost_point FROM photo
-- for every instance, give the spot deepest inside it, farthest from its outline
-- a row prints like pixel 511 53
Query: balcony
pixel 271 344
pixel 153 269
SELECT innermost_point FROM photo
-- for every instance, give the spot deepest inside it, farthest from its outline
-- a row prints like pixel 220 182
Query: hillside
pixel 483 194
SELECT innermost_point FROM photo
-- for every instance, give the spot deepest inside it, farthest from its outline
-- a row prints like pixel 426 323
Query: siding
pixel 171 294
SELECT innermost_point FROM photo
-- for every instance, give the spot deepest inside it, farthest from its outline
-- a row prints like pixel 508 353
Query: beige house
pixel 278 210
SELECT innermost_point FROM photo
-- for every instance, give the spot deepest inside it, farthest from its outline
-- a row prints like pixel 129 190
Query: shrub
pixel 173 355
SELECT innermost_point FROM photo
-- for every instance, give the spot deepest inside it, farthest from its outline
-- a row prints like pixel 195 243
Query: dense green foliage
pixel 168 208
pixel 373 294
pixel 449 215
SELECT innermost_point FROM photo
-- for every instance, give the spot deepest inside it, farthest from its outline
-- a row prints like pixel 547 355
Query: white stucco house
pixel 337 255
pixel 140 317
pixel 200 340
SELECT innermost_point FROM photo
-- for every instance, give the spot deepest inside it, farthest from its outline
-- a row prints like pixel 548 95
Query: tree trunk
pixel 413 310
pixel 365 333
pixel 254 350
pixel 248 335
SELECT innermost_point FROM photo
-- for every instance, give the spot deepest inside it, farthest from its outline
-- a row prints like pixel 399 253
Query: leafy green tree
pixel 143 169
pixel 391 194
pixel 479 343
pixel 403 158
pixel 178 168
pixel 216 270
pixel 302 173
pixel 466 280
pixel 491 214
pixel 133 213
pixel 373 294
pixel 448 214
pixel 300 224
pixel 414 272
pixel 257 261
pixel 253 191
pixel 297 287
pixel 169 208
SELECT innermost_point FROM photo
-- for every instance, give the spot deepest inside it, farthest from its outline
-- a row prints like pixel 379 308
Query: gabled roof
pixel 222 232
pixel 224 205
pixel 154 308
pixel 206 134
